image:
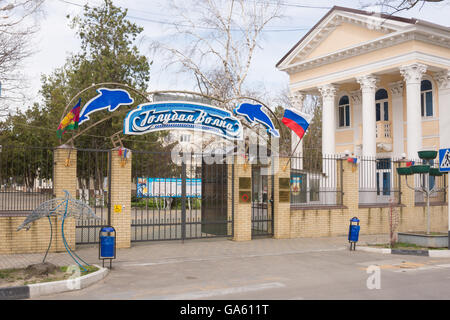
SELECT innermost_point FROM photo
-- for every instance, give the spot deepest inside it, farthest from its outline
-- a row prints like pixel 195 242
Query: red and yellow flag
pixel 70 121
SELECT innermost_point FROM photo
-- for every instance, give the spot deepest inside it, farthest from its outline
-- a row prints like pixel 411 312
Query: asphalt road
pixel 324 273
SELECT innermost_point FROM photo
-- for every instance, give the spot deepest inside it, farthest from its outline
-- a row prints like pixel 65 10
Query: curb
pixel 427 253
pixel 46 288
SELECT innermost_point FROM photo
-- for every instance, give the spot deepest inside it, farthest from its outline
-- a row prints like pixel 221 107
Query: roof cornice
pixel 386 41
pixel 337 15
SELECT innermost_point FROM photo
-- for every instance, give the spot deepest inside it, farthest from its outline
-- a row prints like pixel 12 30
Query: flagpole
pixel 290 157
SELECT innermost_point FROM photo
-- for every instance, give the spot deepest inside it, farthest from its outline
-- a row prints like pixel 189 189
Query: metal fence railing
pixel 316 181
pixel 437 185
pixel 26 178
pixel 379 182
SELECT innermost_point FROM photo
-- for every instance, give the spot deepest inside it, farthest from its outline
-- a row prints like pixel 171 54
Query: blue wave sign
pixel 182 115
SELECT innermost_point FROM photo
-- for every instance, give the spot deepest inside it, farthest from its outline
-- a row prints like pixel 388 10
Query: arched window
pixel 426 98
pixel 344 112
pixel 381 105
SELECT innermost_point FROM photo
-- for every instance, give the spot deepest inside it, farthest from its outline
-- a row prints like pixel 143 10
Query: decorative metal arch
pixel 151 93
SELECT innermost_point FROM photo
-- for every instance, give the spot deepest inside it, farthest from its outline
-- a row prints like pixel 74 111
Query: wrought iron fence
pixel 26 178
pixel 316 180
pixel 437 184
pixel 379 182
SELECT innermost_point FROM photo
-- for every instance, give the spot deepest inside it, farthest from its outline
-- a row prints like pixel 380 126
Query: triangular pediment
pixel 340 29
pixel 343 36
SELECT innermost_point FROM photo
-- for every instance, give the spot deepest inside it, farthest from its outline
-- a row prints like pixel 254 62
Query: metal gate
pixel 262 203
pixel 177 201
pixel 94 188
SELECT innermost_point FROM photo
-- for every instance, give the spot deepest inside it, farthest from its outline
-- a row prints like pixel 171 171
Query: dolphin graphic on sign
pixel 254 114
pixel 109 99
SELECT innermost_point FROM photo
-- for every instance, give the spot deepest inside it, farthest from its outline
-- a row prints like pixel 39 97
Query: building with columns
pixel 383 80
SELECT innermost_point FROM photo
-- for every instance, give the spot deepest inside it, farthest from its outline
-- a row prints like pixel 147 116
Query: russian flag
pixel 410 163
pixel 296 121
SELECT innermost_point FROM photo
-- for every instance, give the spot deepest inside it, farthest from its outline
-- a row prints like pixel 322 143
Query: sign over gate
pixel 182 115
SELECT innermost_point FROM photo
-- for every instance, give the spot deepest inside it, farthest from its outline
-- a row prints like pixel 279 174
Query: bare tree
pixel 217 40
pixel 393 6
pixel 16 29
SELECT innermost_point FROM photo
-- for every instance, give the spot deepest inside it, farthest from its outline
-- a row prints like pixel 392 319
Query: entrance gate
pixel 262 203
pixel 93 188
pixel 178 201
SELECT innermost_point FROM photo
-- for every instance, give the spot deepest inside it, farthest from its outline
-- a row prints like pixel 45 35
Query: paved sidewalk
pixel 159 252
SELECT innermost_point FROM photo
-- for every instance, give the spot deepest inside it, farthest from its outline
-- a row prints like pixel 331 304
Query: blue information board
pixel 444 160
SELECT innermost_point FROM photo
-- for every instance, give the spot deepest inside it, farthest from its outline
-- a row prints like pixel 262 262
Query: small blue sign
pixel 444 160
pixel 254 114
pixel 182 115
pixel 109 99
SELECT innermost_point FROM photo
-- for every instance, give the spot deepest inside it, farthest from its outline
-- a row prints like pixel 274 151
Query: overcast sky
pixel 56 40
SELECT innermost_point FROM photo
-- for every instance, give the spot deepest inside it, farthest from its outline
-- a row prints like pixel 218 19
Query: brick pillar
pixel 409 213
pixel 121 198
pixel 65 178
pixel 350 186
pixel 282 209
pixel 242 210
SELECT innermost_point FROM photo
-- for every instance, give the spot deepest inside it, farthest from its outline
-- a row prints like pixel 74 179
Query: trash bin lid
pixel 354 219
pixel 107 229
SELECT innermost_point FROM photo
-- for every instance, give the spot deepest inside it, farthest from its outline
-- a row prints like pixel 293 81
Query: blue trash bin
pixel 353 232
pixel 107 246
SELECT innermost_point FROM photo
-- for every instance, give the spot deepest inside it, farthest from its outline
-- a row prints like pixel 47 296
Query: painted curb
pixel 42 289
pixel 12 293
pixel 430 253
pixel 375 250
pixel 46 288
pixel 439 253
pixel 423 253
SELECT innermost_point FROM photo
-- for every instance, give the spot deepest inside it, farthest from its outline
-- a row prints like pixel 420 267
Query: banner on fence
pixel 167 188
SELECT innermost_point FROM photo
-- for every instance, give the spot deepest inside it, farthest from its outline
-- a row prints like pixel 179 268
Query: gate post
pixel 120 196
pixel 281 198
pixel 242 220
pixel 64 178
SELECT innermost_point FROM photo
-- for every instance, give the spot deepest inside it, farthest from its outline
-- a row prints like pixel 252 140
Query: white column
pixel 297 98
pixel 367 168
pixel 396 89
pixel 443 81
pixel 328 93
pixel 413 76
pixel 355 97
pixel 368 86
pixel 328 185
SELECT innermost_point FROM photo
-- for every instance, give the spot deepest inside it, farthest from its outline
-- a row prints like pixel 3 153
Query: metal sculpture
pixel 62 207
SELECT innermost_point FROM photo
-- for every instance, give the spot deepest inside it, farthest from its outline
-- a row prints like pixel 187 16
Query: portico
pixel 383 82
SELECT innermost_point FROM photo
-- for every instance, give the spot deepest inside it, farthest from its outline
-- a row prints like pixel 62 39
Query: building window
pixel 426 98
pixel 185 138
pixel 344 112
pixel 381 105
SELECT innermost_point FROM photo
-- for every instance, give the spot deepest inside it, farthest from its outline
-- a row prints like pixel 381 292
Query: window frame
pixel 423 101
pixel 346 114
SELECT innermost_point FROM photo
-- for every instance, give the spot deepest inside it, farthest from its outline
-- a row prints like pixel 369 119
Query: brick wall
pixel 333 222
